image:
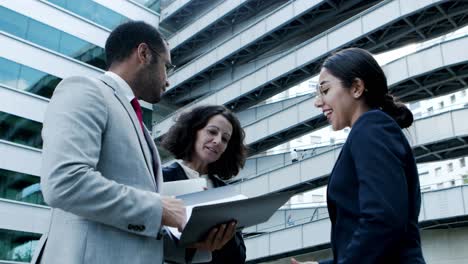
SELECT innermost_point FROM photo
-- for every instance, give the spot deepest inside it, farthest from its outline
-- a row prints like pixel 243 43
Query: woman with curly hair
pixel 208 142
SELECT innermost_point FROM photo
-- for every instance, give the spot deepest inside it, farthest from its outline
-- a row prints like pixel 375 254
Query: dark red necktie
pixel 138 111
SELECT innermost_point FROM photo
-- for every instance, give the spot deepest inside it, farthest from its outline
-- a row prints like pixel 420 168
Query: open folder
pixel 246 211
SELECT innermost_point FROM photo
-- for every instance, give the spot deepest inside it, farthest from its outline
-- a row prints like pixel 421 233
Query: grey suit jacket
pixel 101 174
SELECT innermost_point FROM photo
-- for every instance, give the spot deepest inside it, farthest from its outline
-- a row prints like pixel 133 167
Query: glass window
pixel 438 171
pixel 450 167
pixel 425 189
pixel 463 93
pixel 13 22
pixel 154 5
pixel 441 104
pixel 73 46
pixel 462 163
pixel 56 40
pixel 82 8
pixel 453 98
pixel 424 173
pixel 20 187
pixel 9 72
pixel 92 11
pixel 22 77
pixel 94 56
pixel 61 3
pixel 20 130
pixel 43 35
pixel 106 17
pixel 28 77
pixel 430 109
pixel 17 245
pixel 43 86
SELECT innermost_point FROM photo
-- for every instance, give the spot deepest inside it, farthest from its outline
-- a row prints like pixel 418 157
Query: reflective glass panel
pixel 43 35
pixel 154 5
pixel 17 246
pixel 73 47
pixel 20 130
pixel 108 18
pixel 9 72
pixel 53 39
pixel 13 22
pixel 92 11
pixel 20 187
pixel 25 78
pixel 82 8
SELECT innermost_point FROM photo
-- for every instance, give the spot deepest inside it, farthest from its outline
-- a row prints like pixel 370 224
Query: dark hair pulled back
pixel 355 63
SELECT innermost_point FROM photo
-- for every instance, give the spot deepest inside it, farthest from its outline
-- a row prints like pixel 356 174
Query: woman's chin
pixel 210 158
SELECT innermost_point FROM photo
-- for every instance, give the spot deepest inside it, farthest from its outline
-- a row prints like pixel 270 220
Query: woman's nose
pixel 318 101
pixel 216 139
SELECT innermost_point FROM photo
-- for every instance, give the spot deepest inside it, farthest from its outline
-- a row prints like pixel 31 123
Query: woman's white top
pixel 193 174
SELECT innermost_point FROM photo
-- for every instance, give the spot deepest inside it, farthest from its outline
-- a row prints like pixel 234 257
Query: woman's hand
pixel 217 238
pixel 294 261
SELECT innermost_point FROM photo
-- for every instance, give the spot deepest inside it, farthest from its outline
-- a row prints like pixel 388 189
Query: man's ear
pixel 143 53
pixel 358 88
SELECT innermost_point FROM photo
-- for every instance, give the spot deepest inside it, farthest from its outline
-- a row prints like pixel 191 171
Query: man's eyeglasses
pixel 169 66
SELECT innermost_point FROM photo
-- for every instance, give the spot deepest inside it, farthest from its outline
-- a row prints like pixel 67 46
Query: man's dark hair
pixel 180 139
pixel 127 36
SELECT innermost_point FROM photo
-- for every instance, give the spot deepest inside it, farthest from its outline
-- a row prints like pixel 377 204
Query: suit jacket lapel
pixel 144 145
pixel 156 161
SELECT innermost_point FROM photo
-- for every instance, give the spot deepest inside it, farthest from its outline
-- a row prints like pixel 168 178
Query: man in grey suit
pixel 101 171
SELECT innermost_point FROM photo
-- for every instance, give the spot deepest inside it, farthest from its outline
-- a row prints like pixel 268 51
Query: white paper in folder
pixel 189 209
pixel 176 188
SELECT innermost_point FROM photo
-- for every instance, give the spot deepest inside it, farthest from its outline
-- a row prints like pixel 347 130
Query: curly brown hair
pixel 180 139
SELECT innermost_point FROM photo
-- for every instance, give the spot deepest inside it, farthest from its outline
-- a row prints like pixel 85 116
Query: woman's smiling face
pixel 335 100
pixel 212 140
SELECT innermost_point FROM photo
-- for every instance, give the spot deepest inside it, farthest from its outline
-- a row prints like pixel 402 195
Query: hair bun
pixel 398 111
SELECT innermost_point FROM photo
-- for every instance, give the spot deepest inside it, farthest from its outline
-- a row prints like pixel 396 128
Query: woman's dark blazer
pixel 234 251
pixel 374 197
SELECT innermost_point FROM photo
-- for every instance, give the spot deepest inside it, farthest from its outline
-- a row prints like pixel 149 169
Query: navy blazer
pixel 234 250
pixel 374 197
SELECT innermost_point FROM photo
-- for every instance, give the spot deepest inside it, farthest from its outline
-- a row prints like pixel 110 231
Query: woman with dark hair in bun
pixel 208 142
pixel 373 191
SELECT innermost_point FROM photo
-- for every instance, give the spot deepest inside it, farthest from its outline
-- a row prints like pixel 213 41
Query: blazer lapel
pixel 156 161
pixel 144 145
